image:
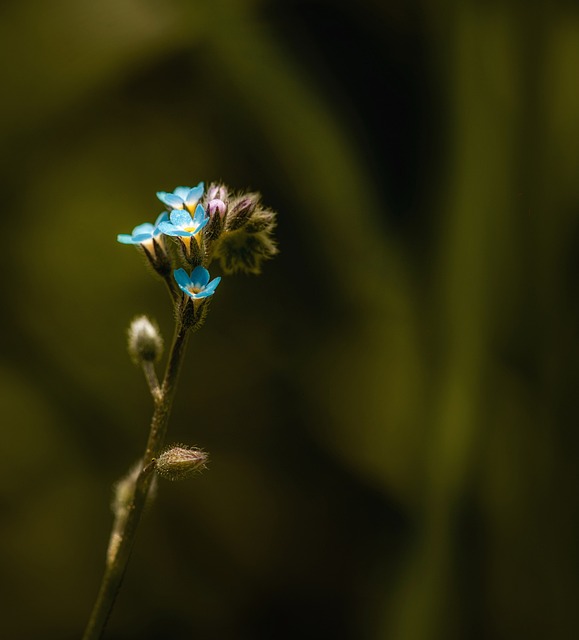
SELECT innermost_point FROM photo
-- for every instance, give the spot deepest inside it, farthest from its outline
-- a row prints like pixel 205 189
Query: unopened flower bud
pixel 179 462
pixel 216 206
pixel 145 341
pixel 241 210
pixel 161 262
pixel 217 210
pixel 217 191
pixel 245 248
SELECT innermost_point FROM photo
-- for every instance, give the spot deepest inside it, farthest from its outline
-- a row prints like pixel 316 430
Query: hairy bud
pixel 215 226
pixel 145 341
pixel 241 210
pixel 180 462
pixel 219 191
pixel 217 206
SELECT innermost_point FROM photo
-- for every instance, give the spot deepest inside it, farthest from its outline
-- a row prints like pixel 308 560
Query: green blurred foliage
pixel 390 408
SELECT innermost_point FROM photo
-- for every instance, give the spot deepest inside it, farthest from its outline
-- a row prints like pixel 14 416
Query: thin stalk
pixel 126 524
pixel 169 283
pixel 151 378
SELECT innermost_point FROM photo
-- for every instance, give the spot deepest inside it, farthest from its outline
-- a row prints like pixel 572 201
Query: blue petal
pixel 161 218
pixel 181 278
pixel 171 230
pixel 125 238
pixel 181 218
pixel 141 229
pixel 141 237
pixel 210 288
pixel 194 195
pixel 170 200
pixel 181 192
pixel 202 224
pixel 161 195
pixel 167 227
pixel 199 214
pixel 200 277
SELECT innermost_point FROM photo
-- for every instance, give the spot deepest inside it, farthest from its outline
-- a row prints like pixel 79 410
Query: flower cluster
pixel 240 230
pixel 205 225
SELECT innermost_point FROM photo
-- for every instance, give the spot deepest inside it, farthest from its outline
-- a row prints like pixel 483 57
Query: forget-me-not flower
pixel 197 285
pixel 144 234
pixel 182 197
pixel 182 224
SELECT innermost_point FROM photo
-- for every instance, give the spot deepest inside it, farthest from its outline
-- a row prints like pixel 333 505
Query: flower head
pixel 182 224
pixel 182 197
pixel 144 233
pixel 197 285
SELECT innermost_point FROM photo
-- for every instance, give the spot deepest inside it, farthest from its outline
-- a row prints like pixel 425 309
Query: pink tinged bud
pixel 217 191
pixel 217 206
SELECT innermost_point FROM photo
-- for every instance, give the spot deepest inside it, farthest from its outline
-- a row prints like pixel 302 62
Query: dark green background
pixel 390 408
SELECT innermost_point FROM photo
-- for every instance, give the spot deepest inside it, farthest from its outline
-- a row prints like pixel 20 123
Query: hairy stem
pixel 127 522
pixel 151 378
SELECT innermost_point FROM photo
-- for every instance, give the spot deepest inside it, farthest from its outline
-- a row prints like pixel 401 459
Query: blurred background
pixel 390 409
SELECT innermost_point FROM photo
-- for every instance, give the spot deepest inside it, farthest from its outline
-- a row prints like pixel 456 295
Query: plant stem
pixel 151 378
pixel 126 524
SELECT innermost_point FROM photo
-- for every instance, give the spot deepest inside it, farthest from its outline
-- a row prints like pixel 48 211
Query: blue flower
pixel 182 197
pixel 144 233
pixel 182 224
pixel 196 285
